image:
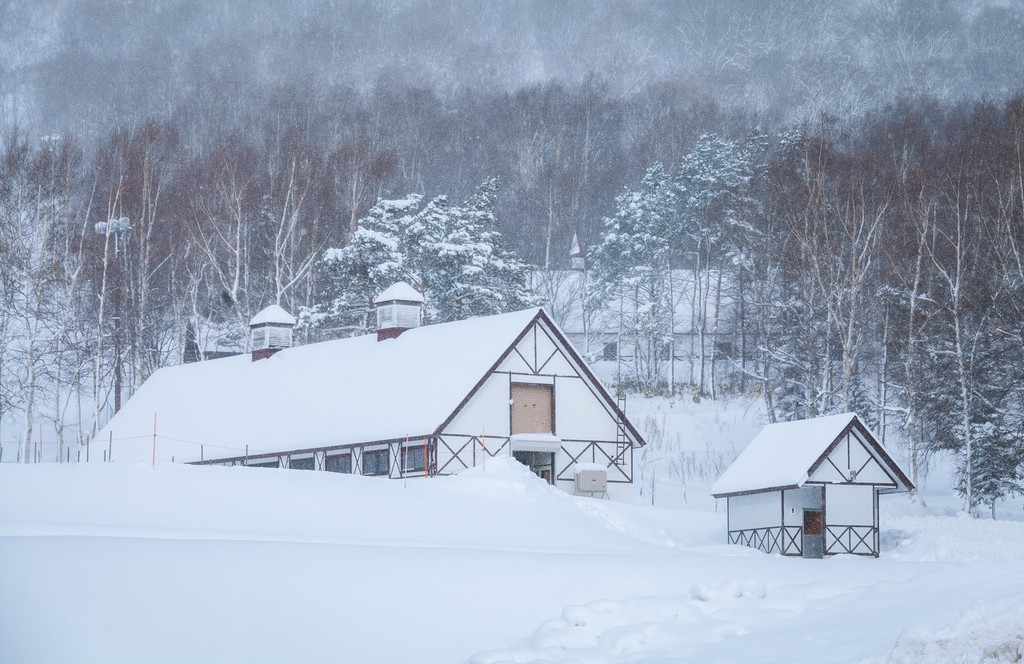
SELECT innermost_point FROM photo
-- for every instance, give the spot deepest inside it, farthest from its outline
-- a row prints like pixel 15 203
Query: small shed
pixel 810 488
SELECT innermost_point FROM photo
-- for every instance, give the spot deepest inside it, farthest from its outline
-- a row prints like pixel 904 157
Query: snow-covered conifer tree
pixel 451 253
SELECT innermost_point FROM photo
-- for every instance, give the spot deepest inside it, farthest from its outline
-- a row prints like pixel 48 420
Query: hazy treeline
pixel 85 64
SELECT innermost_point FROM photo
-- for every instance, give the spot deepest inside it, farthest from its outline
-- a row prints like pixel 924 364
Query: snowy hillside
pixel 123 563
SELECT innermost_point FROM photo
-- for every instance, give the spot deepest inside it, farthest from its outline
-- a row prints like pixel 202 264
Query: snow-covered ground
pixel 126 563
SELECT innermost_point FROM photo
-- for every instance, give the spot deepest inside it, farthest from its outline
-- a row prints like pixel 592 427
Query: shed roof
pixel 784 454
pixel 331 393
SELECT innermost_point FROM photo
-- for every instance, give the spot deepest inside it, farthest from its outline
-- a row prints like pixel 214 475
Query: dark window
pixel 262 464
pixel 338 463
pixel 414 458
pixel 611 351
pixel 376 462
pixel 306 463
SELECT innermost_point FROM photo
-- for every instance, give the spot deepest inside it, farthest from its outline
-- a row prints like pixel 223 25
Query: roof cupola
pixel 271 331
pixel 399 308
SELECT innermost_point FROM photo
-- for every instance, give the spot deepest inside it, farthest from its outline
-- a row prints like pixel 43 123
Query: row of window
pixel 375 462
pixel 610 351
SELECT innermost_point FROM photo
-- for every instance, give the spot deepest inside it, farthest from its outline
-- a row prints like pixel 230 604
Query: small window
pixel 376 462
pixel 262 464
pixel 414 459
pixel 305 463
pixel 611 351
pixel 338 463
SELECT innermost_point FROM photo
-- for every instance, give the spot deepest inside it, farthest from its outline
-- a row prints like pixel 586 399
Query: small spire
pixel 576 257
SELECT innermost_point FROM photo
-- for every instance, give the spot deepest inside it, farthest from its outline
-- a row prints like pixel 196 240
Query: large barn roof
pixel 785 453
pixel 331 393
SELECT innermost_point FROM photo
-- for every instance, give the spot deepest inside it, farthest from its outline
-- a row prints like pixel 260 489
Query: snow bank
pixel 124 563
pixel 636 630
pixel 504 506
pixel 911 532
pixel 989 632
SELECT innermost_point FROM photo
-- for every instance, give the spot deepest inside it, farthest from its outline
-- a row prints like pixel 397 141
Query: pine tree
pixel 451 254
pixel 469 271
pixel 357 273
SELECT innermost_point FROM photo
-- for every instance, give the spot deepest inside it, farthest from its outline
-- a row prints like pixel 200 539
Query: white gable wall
pixel 579 412
pixel 581 415
pixel 851 460
pixel 487 411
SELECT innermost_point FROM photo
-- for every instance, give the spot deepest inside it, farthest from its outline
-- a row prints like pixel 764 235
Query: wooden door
pixel 532 408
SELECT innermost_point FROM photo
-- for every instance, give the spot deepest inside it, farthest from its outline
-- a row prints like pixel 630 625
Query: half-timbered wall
pixel 851 461
pixel 587 430
pixel 755 520
pixel 851 519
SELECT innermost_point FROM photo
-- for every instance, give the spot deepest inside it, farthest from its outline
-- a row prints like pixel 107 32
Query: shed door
pixel 812 544
pixel 532 410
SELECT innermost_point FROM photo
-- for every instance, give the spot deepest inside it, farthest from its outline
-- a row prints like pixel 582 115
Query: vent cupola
pixel 271 331
pixel 399 308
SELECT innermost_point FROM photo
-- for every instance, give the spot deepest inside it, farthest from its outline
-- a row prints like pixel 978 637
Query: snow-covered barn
pixel 810 488
pixel 408 401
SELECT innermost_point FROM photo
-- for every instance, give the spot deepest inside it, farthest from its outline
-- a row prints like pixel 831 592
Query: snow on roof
pixel 399 291
pixel 331 393
pixel 272 314
pixel 781 455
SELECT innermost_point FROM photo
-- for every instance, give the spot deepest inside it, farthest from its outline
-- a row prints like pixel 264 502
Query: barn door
pixel 532 408
pixel 812 544
pixel 541 463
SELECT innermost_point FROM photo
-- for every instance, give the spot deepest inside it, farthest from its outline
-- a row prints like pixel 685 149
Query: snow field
pixel 122 563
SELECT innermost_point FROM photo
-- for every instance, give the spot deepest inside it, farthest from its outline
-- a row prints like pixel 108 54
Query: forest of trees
pixel 851 174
